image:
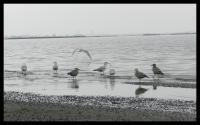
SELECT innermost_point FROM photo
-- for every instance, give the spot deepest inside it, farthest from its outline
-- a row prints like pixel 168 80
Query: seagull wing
pixel 74 51
pixel 102 68
pixel 158 71
pixel 85 51
pixel 141 74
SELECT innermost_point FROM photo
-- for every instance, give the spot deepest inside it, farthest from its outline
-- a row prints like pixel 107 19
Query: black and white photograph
pixel 99 62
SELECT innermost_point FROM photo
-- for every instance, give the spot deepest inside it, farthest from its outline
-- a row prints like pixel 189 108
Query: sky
pixel 94 19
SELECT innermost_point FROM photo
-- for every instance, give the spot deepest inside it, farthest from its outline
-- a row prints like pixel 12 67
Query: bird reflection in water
pixel 112 83
pixel 140 91
pixel 155 84
pixel 74 84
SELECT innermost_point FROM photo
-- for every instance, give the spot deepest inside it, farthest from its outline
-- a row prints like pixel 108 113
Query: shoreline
pixel 20 106
pixel 82 36
pixel 166 84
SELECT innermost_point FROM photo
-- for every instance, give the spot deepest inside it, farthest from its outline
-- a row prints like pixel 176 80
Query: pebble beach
pixel 20 106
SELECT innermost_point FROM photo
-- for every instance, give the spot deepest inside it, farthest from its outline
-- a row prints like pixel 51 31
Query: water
pixel 174 54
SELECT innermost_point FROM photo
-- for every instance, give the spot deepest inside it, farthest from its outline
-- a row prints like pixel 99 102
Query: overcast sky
pixel 63 19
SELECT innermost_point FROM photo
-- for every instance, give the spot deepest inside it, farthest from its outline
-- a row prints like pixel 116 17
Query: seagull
pixel 24 68
pixel 101 69
pixel 140 75
pixel 156 70
pixel 82 50
pixel 74 72
pixel 112 72
pixel 55 67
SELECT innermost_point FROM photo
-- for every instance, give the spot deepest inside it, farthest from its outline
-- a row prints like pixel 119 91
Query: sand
pixel 34 107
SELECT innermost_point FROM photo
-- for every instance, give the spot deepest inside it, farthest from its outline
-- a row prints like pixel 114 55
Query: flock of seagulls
pixel 139 75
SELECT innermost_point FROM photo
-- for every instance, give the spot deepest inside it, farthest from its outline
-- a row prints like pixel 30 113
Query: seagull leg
pixel 158 80
pixel 158 77
pixel 154 78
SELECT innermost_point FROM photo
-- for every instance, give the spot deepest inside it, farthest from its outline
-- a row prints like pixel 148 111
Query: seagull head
pixel 112 71
pixel 24 64
pixel 55 63
pixel 106 63
pixel 77 69
pixel 154 65
pixel 136 69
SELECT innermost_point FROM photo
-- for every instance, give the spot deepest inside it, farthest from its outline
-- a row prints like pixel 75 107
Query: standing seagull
pixel 24 69
pixel 82 50
pixel 74 72
pixel 140 75
pixel 55 67
pixel 112 72
pixel 101 69
pixel 156 70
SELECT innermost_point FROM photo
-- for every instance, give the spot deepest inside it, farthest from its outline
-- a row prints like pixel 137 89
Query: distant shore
pixel 34 107
pixel 81 36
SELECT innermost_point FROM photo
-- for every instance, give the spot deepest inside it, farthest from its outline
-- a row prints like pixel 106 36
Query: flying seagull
pixel 101 69
pixel 156 70
pixel 74 72
pixel 55 67
pixel 24 68
pixel 82 50
pixel 139 74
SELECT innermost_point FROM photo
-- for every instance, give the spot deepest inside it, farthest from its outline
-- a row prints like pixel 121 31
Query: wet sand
pixel 34 107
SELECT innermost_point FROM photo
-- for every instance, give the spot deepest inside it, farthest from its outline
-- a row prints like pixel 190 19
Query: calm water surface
pixel 174 54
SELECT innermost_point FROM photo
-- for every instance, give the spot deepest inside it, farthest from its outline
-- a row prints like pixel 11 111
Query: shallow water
pixel 174 54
